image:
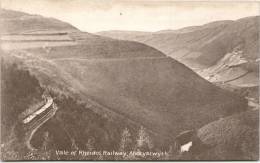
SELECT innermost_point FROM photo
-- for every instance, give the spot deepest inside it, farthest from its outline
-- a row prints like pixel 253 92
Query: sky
pixel 135 15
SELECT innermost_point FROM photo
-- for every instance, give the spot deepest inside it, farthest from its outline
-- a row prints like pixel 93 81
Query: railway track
pixel 34 121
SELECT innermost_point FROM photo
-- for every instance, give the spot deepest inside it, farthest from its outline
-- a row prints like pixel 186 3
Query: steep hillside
pixel 77 124
pixel 122 84
pixel 232 138
pixel 223 52
pixel 201 46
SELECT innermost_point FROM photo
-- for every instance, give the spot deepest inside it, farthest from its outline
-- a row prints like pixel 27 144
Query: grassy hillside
pixel 152 90
pixel 97 47
pixel 202 46
pixel 223 52
pixel 143 90
pixel 77 124
pixel 13 22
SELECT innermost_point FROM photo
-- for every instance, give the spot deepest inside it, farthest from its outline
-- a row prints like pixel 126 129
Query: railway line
pixel 34 121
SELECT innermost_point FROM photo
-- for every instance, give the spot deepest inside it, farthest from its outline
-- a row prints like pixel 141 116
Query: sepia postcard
pixel 129 80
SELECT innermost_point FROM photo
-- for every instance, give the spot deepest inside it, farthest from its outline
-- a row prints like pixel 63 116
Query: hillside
pixel 228 138
pixel 15 22
pixel 122 84
pixel 223 52
pixel 200 45
pixel 234 137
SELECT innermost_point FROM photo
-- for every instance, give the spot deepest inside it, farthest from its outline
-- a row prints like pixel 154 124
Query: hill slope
pixel 222 52
pixel 232 138
pixel 200 45
pixel 13 22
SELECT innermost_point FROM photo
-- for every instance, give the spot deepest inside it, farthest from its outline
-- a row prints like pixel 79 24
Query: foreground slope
pixel 133 82
pixel 232 138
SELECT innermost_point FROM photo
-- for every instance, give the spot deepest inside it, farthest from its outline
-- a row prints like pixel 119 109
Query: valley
pixel 135 91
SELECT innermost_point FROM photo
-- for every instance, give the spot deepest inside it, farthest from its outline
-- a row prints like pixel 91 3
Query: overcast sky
pixel 137 15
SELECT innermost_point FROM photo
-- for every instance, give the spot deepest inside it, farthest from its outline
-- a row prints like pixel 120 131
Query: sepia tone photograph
pixel 129 80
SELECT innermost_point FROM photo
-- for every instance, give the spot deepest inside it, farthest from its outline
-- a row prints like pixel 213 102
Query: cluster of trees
pixel 19 90
pixel 128 143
